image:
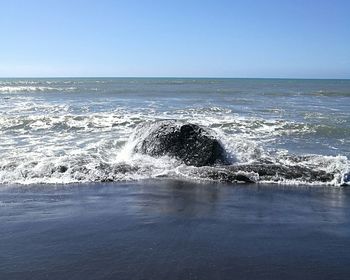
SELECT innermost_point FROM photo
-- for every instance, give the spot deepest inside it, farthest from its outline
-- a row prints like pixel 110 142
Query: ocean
pixel 82 130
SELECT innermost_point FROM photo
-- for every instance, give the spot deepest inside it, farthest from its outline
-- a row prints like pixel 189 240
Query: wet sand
pixel 170 229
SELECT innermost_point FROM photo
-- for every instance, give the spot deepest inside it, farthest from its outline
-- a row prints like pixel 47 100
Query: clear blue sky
pixel 237 38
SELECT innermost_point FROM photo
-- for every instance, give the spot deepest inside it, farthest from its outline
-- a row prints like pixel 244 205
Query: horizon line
pixel 166 77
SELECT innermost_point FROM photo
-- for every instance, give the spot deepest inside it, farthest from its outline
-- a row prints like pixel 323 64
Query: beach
pixel 174 229
pixel 123 178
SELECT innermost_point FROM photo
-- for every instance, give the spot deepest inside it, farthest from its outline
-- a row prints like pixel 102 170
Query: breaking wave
pixel 33 89
pixel 100 147
pixel 83 130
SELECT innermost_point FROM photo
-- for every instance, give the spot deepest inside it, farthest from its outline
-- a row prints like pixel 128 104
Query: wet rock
pixel 253 173
pixel 346 179
pixel 190 143
pixel 59 169
pixel 62 168
pixel 276 172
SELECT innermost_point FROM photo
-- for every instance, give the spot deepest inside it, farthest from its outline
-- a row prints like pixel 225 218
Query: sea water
pixel 69 130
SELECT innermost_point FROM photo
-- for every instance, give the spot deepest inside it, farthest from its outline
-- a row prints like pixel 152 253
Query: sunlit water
pixel 81 130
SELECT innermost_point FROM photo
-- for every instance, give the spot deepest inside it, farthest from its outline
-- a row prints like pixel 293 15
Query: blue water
pixel 86 124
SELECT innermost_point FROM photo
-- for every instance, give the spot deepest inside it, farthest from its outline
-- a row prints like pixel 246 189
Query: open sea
pixel 71 130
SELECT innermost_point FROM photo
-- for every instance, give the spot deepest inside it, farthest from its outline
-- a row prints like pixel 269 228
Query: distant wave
pixel 331 93
pixel 17 89
pixel 58 117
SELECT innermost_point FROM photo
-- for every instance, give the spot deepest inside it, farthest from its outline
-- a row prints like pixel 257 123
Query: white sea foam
pixel 104 150
pixel 48 142
pixel 32 88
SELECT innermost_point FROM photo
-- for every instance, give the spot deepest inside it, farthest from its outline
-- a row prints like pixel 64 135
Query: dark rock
pixel 188 142
pixel 59 169
pixel 253 173
pixel 346 179
pixel 225 175
pixel 62 168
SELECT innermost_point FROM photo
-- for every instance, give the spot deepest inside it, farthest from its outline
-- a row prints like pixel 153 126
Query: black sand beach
pixel 174 230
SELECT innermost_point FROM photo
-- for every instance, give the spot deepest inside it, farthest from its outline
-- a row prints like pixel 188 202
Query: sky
pixel 175 38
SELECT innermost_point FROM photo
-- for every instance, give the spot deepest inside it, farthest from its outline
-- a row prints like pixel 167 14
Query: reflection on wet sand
pixel 169 229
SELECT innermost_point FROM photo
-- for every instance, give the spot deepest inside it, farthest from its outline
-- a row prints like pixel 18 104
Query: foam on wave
pixel 44 141
pixel 65 158
pixel 32 88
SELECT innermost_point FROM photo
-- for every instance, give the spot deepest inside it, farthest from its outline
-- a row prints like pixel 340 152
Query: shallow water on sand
pixel 169 229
